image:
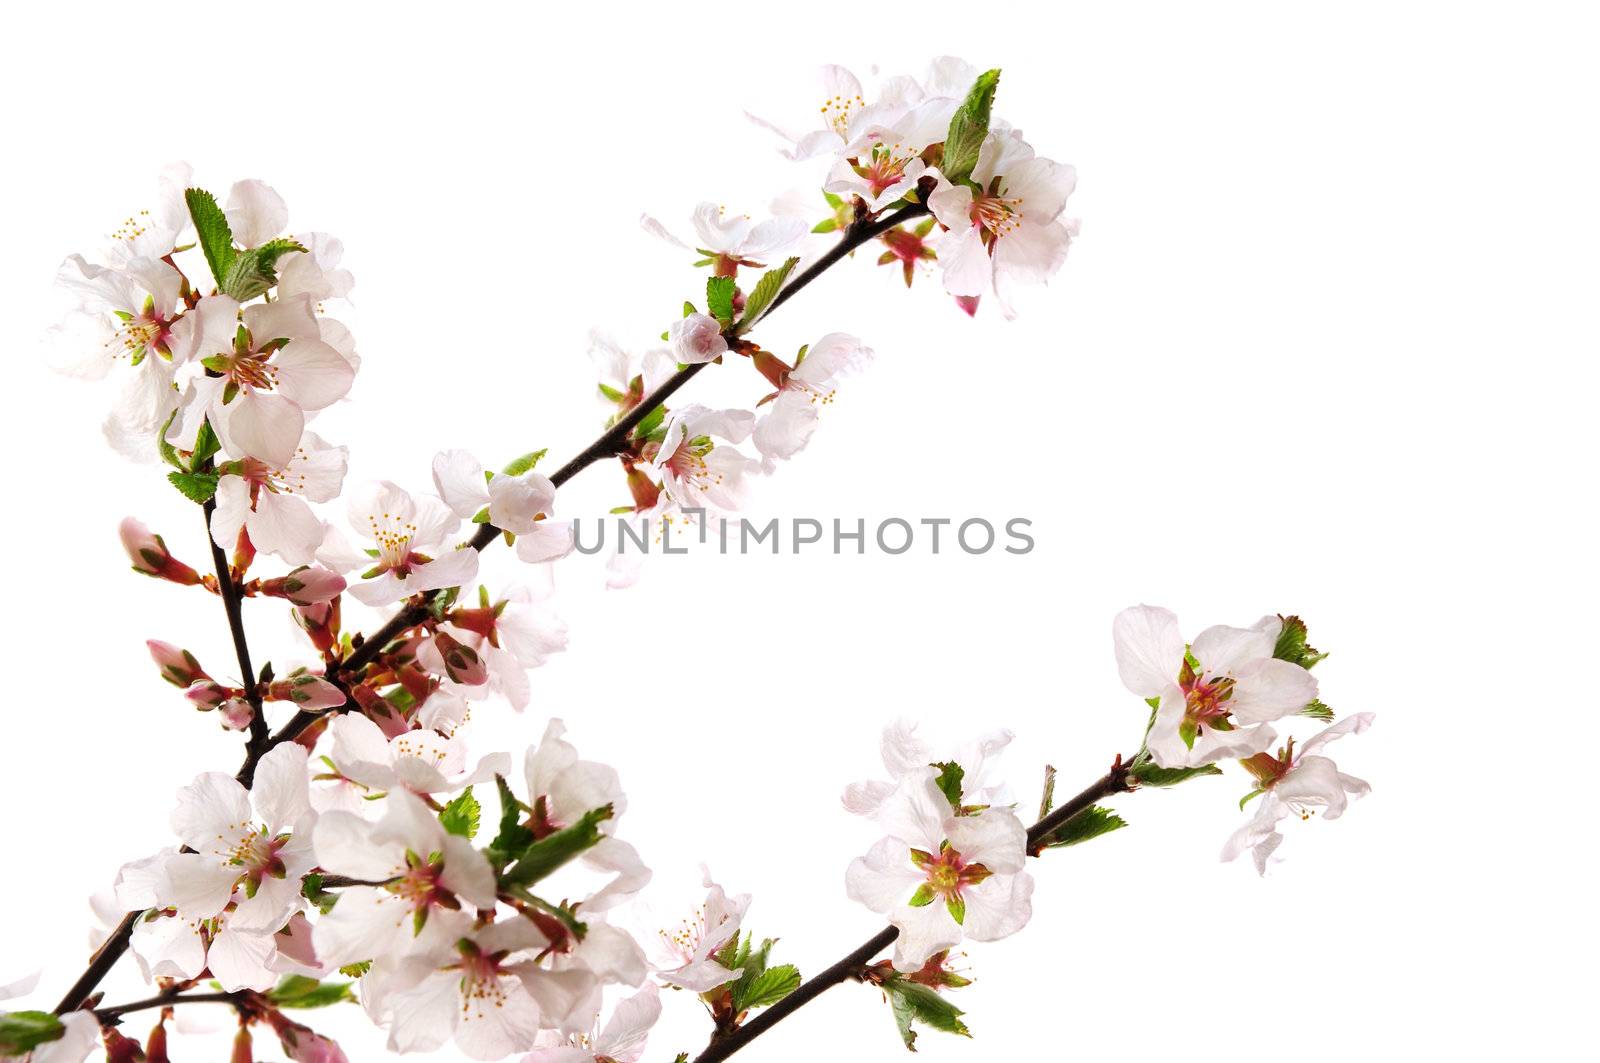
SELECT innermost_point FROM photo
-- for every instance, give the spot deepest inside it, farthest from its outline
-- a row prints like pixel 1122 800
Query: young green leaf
pixel 256 270
pixel 1150 774
pixel 538 859
pixel 461 815
pixel 513 837
pixel 1292 646
pixel 23 1031
pixel 1318 711
pixel 765 291
pixel 1090 823
pixel 913 1002
pixel 968 127
pixel 949 782
pixel 195 486
pixel 212 232
pixel 524 463
pixel 768 987
pixel 298 991
pixel 719 299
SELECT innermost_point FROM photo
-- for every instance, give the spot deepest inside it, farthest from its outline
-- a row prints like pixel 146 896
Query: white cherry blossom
pixel 786 425
pixel 941 878
pixel 1296 783
pixel 904 753
pixel 410 534
pixel 1218 707
pixel 696 471
pixel 620 1040
pixel 270 502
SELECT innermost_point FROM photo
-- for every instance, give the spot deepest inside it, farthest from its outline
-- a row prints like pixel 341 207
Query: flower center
pixel 393 537
pixel 255 853
pixel 688 463
pixel 138 334
pixel 948 876
pixel 836 112
pixel 999 215
pixel 481 989
pixel 883 168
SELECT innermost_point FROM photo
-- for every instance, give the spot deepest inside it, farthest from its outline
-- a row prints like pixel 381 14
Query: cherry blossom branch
pixel 725 1044
pixel 167 1000
pixel 607 445
pixel 228 588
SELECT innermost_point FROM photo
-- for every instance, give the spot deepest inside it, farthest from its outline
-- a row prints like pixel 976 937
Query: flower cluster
pixel 361 853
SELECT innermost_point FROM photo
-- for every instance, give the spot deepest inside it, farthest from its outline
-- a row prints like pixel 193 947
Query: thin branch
pixel 167 1000
pixel 721 1047
pixel 608 444
pixel 228 588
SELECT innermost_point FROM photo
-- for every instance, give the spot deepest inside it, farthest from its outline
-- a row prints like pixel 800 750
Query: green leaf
pixel 255 271
pixel 168 452
pixel 212 231
pixel 513 837
pixel 765 291
pixel 968 127
pixel 524 463
pixel 1090 823
pixel 1150 774
pixel 949 782
pixel 922 897
pixel 538 859
pixel 827 225
pixel 298 991
pixel 768 987
pixel 1318 711
pixel 719 299
pixel 206 445
pixel 461 815
pixel 914 1002
pixel 566 916
pixel 650 422
pixel 22 1031
pixel 195 486
pixel 311 889
pixel 356 970
pixel 1292 646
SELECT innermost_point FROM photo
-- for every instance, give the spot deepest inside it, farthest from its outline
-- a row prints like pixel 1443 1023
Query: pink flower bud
pixel 207 694
pixel 443 655
pixel 236 714
pixel 303 1044
pixel 149 554
pixel 969 303
pixel 697 338
pixel 306 585
pixel 320 622
pixel 178 666
pixel 307 691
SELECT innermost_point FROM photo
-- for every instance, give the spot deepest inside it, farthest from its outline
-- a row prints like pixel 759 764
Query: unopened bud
pixel 306 585
pixel 320 622
pixel 149 554
pixel 302 1044
pixel 697 338
pixel 307 691
pixel 443 655
pixel 236 714
pixel 242 1048
pixel 178 666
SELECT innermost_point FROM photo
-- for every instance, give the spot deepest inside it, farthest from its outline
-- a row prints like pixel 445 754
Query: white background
pixel 1326 346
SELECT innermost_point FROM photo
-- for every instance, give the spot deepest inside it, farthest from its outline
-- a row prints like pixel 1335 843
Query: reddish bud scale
pixel 155 1046
pixel 120 1049
pixel 244 554
pixel 243 1050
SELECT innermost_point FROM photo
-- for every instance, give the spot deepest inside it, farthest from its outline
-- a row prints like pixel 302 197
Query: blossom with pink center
pixel 1006 227
pixel 426 877
pixel 791 416
pixel 1216 696
pixel 510 635
pixel 269 501
pixel 1296 783
pixel 475 997
pixel 621 1040
pixel 844 113
pixel 256 843
pixel 731 241
pixel 940 877
pixel 697 472
pixel 263 380
pixel 409 533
